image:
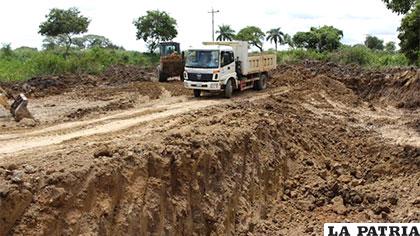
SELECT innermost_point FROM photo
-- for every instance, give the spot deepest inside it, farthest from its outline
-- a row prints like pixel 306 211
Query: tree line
pixel 62 26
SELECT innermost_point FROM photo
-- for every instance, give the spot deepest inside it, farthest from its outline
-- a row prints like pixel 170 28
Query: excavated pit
pixel 313 150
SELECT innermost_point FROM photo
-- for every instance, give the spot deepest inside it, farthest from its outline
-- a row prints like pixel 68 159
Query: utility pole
pixel 212 20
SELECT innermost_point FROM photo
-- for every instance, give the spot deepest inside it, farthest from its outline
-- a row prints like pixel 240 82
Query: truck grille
pixel 200 77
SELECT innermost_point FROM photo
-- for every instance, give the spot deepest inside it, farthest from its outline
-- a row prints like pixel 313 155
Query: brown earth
pixel 324 143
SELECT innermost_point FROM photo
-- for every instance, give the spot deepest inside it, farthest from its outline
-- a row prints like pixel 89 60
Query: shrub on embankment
pixel 25 63
pixel 360 55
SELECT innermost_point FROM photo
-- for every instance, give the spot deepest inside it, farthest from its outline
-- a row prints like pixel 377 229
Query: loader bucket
pixel 19 108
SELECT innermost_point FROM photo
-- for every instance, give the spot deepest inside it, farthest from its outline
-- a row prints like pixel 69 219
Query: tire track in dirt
pixel 15 142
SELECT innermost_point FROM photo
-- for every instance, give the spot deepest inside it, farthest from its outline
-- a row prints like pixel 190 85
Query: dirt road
pixel 313 148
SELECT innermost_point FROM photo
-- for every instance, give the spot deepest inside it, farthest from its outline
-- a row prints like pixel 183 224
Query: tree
pixel 410 35
pixel 329 38
pixel 390 47
pixel 92 40
pixel 253 35
pixel 325 38
pixel 154 27
pixel 6 50
pixel 64 23
pixel 374 43
pixel 288 40
pixel 308 40
pixel 400 6
pixel 226 33
pixel 275 35
pixel 51 43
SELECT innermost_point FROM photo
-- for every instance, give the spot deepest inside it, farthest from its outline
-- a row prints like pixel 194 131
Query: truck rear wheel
pixel 197 93
pixel 261 83
pixel 162 77
pixel 229 89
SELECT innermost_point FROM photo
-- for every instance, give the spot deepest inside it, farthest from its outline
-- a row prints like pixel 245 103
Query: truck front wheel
pixel 261 83
pixel 197 93
pixel 229 89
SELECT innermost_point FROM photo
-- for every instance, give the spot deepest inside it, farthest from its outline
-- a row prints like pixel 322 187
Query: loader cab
pixel 168 48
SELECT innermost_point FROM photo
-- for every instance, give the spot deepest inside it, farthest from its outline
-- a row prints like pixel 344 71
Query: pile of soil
pixel 114 76
pixel 124 73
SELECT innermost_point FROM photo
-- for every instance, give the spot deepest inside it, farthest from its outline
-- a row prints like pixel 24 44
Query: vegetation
pixel 359 54
pixel 288 40
pixel 253 35
pixel 275 35
pixel 225 33
pixel 64 24
pixel 154 27
pixel 410 35
pixel 325 38
pixel 390 47
pixel 400 6
pixel 374 43
pixel 84 42
pixel 95 53
pixel 410 27
pixel 25 63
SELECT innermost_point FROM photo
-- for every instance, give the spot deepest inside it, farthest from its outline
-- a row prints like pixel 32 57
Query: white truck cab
pixel 225 66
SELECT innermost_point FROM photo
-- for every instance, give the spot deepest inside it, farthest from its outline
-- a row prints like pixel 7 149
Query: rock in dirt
pixel 338 205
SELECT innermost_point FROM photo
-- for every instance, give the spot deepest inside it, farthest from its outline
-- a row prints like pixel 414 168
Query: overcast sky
pixel 19 19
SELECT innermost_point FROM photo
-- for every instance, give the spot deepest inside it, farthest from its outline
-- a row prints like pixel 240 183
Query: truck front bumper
pixel 212 86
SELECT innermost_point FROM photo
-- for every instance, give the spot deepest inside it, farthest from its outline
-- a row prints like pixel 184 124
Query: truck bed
pixel 259 63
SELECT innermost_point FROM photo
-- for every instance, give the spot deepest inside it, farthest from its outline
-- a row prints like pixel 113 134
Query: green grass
pixel 23 64
pixel 359 55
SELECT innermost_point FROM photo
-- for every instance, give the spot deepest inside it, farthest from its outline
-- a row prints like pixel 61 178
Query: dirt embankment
pixel 311 151
pixel 394 86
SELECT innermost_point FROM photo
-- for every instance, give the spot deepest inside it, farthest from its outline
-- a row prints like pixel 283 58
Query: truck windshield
pixel 202 59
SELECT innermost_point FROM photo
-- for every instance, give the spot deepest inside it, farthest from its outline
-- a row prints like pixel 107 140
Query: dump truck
pixel 226 67
pixel 19 107
pixel 171 61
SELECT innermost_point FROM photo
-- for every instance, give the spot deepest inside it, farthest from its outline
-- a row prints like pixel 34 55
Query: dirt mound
pixel 397 86
pixel 114 76
pixel 125 73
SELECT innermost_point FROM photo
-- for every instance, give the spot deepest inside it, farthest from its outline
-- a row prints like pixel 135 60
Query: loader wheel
pixel 162 77
pixel 197 93
pixel 261 83
pixel 229 89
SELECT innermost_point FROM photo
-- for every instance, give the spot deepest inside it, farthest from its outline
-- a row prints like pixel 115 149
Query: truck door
pixel 227 69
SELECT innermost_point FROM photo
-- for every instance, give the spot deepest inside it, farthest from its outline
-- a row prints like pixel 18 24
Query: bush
pixel 297 55
pixel 24 63
pixel 358 54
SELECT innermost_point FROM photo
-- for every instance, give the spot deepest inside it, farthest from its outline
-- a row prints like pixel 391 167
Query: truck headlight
pixel 185 75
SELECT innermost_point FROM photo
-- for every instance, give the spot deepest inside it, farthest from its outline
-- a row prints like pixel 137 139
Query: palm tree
pixel 275 35
pixel 288 40
pixel 226 33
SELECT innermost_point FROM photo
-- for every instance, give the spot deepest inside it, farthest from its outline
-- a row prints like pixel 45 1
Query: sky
pixel 20 19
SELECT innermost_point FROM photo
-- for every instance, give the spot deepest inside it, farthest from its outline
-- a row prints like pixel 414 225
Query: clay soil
pixel 121 154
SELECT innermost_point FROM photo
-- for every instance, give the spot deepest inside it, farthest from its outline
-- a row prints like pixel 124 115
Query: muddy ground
pixel 120 154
